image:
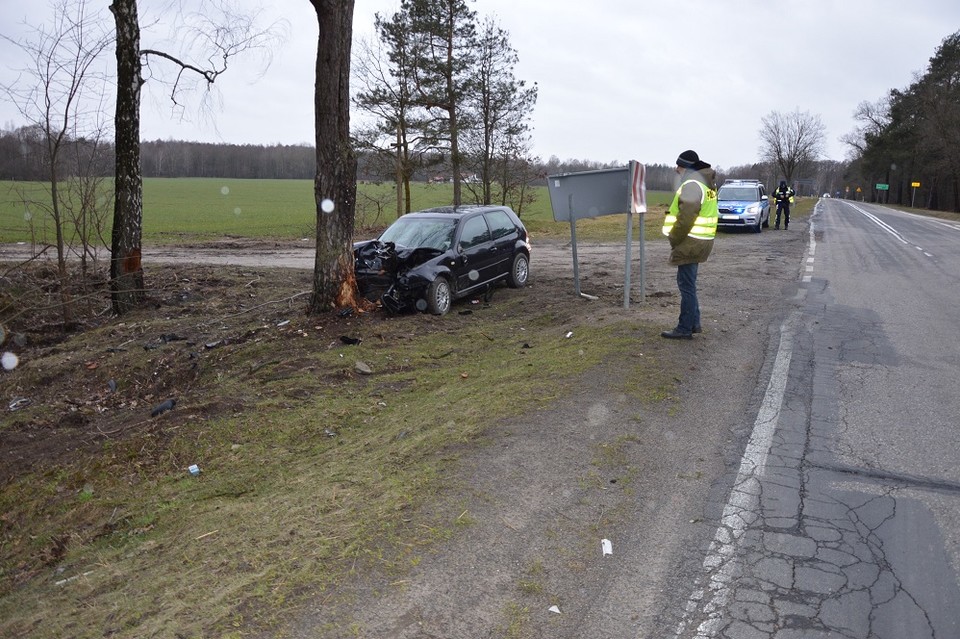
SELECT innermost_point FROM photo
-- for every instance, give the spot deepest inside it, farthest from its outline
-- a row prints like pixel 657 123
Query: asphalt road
pixel 844 516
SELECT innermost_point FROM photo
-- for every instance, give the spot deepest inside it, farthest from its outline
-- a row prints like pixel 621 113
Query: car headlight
pixel 753 209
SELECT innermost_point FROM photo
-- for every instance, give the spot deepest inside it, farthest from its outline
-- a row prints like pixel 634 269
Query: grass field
pixel 202 209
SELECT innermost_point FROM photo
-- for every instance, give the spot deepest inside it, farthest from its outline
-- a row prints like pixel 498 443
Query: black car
pixel 427 259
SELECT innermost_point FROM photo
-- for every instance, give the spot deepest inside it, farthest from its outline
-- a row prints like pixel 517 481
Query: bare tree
pixel 222 42
pixel 335 185
pixel 386 93
pixel 54 95
pixel 501 106
pixel 872 118
pixel 791 141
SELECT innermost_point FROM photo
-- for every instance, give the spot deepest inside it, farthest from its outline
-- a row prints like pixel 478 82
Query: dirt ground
pixel 597 465
pixel 545 490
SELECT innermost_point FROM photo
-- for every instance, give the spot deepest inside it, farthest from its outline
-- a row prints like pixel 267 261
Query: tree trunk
pixel 334 285
pixel 126 274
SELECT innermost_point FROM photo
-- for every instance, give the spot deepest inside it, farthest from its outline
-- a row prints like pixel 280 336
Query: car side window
pixel 475 232
pixel 500 224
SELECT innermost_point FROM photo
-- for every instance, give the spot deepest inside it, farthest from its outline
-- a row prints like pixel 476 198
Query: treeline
pixel 912 136
pixel 22 158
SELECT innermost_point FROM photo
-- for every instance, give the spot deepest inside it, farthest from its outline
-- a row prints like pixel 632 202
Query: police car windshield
pixel 738 193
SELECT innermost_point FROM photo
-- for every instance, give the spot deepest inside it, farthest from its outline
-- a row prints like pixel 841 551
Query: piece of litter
pixel 607 546
pixel 554 609
pixel 163 407
pixel 194 470
pixel 283 323
pixel 570 334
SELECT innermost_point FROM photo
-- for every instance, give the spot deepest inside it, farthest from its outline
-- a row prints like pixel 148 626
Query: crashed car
pixel 427 259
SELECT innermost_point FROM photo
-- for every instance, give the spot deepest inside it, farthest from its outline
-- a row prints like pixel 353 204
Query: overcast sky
pixel 618 80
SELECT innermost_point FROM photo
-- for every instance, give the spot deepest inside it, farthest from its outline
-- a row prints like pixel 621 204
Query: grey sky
pixel 618 79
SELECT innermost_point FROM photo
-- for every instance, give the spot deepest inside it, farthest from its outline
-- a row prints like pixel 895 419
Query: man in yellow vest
pixel 691 225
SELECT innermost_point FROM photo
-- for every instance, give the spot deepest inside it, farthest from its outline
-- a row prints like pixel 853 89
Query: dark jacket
pixel 684 249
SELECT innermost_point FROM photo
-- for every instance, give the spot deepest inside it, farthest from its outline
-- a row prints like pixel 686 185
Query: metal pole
pixel 626 269
pixel 576 263
pixel 643 268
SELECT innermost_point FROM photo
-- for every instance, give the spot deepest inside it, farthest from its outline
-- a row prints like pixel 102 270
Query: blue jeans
pixel 689 306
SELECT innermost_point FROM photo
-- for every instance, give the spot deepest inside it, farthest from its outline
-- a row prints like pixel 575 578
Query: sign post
pixel 913 196
pixel 589 194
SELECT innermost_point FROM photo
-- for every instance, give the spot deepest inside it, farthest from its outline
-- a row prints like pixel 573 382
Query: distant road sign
pixel 915 185
pixel 883 187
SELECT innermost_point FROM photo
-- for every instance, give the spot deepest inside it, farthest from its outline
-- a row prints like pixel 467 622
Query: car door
pixel 477 253
pixel 504 235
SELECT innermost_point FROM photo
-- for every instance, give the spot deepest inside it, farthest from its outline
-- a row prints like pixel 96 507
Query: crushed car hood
pixel 386 259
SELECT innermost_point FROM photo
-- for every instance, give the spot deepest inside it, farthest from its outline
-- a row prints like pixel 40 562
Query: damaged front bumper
pixel 398 279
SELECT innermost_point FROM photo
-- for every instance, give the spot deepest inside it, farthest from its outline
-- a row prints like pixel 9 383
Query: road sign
pixel 590 194
pixel 883 187
pixel 915 185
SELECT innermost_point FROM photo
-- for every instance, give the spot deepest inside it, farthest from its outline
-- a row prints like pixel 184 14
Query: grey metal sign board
pixel 589 194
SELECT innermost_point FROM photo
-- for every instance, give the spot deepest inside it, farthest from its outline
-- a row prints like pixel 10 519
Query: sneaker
pixel 676 334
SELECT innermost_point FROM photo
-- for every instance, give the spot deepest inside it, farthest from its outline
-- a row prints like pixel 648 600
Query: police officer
pixel 691 225
pixel 783 196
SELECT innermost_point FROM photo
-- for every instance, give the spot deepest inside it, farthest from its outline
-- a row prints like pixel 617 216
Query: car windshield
pixel 738 193
pixel 421 232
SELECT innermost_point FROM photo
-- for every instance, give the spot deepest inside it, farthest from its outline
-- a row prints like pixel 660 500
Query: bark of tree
pixel 126 273
pixel 334 285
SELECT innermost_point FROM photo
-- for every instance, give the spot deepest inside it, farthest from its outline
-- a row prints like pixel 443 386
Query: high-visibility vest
pixel 705 227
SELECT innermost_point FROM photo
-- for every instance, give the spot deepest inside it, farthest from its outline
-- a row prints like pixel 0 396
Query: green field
pixel 204 209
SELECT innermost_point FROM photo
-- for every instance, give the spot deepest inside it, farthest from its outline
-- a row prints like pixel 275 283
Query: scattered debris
pixel 569 334
pixel 329 433
pixel 554 609
pixel 362 368
pixel 62 582
pixel 351 341
pixel 607 547
pixel 194 470
pixel 210 345
pixel 283 323
pixel 163 407
pixel 19 403
pixel 112 385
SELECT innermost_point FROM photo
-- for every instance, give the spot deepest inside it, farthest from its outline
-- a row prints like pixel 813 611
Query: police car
pixel 743 204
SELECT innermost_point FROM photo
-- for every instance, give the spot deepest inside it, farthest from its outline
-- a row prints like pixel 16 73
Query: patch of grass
pixel 310 471
pixel 517 618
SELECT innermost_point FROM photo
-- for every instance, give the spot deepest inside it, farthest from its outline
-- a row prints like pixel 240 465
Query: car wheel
pixel 519 271
pixel 439 296
pixel 758 226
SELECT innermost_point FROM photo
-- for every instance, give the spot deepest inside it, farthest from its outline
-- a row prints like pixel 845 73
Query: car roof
pixel 458 211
